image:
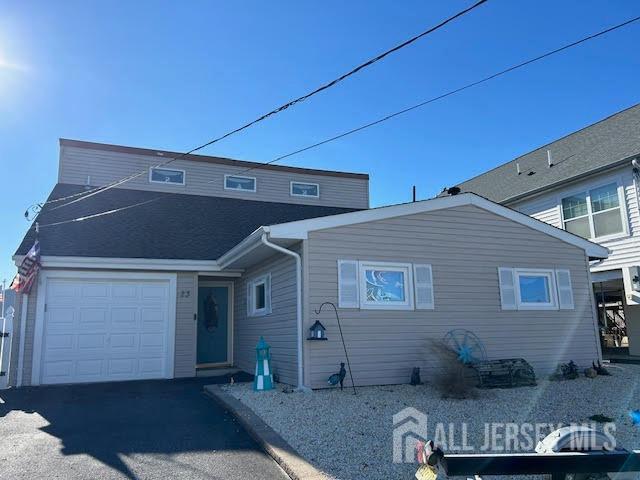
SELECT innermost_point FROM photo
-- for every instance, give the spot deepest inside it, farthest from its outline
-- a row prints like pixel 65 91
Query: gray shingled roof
pixel 175 226
pixel 598 146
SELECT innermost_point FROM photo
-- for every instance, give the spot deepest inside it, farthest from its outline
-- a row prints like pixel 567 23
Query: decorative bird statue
pixel 338 377
pixel 600 369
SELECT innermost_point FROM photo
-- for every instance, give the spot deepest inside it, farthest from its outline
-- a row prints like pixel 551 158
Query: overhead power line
pixel 444 95
pixel 89 193
pixel 387 117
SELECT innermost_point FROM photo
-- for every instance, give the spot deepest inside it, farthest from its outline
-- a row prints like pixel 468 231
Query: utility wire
pixel 97 190
pixel 444 95
pixel 357 129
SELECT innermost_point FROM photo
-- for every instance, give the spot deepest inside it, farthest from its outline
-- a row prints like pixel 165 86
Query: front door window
pixel 213 324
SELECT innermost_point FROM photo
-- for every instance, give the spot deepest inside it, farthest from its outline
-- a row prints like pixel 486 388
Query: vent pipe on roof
pixel 518 168
pixel 549 159
pixel 414 193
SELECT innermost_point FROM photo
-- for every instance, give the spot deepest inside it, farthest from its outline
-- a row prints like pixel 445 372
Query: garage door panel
pixel 123 366
pixel 95 290
pixel 92 318
pixel 91 341
pixel 105 330
pixel 154 292
pixel 93 368
pixel 124 342
pixel 124 317
pixel 59 316
pixel 151 366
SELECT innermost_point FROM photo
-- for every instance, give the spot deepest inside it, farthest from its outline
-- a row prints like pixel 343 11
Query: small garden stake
pixel 342 338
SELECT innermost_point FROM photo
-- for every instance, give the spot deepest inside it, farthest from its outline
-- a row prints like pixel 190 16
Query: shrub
pixel 450 376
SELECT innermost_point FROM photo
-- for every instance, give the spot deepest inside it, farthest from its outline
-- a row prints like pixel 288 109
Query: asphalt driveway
pixel 130 430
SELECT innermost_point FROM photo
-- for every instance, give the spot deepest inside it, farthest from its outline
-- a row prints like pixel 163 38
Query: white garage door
pixel 105 329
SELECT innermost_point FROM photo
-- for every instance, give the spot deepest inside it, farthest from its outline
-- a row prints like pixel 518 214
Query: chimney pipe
pixel 414 193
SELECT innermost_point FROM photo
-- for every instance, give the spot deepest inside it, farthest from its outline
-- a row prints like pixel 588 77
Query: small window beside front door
pixel 259 296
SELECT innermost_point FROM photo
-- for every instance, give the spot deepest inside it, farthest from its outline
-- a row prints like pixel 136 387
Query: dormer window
pixel 236 182
pixel 167 175
pixel 303 189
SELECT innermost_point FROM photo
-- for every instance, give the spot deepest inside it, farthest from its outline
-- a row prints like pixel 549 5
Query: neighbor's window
pixel 235 182
pixel 535 288
pixel 300 189
pixel 595 213
pixel 259 296
pixel 386 286
pixel 166 175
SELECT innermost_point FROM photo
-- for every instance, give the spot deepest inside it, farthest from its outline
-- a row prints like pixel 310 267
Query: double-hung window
pixel 259 296
pixel 595 213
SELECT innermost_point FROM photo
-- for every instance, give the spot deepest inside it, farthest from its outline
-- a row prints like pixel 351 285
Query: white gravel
pixel 350 437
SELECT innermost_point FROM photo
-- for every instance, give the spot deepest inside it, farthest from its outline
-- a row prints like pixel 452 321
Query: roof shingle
pixel 173 226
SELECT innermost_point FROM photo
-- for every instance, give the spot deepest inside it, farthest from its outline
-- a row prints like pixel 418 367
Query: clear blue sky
pixel 172 75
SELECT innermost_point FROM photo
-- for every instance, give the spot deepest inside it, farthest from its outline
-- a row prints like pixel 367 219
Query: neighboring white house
pixel 587 183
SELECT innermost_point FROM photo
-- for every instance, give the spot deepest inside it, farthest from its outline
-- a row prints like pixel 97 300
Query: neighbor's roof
pixel 607 143
pixel 165 154
pixel 175 226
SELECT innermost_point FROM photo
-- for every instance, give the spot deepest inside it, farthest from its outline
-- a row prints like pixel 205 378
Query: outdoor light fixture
pixel 317 331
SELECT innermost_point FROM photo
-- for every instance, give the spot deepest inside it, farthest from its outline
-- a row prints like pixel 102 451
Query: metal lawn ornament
pixel 344 346
pixel 264 377
pixel 466 344
pixel 338 377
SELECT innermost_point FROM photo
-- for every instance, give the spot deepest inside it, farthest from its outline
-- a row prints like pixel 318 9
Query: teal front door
pixel 213 333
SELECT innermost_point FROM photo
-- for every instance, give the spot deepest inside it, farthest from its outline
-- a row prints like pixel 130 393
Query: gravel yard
pixel 350 437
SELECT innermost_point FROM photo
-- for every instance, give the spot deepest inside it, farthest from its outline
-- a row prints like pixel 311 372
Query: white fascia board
pixel 126 263
pixel 245 246
pixel 300 229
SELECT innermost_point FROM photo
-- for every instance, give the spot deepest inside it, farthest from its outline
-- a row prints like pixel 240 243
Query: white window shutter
pixel 423 278
pixel 507 289
pixel 565 291
pixel 348 284
pixel 267 293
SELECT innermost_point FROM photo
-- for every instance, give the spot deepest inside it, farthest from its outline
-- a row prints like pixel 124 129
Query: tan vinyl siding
pixel 278 328
pixel 103 167
pixel 185 350
pixel 465 246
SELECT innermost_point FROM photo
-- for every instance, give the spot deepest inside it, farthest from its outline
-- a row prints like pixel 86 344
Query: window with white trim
pixel 237 182
pixel 167 175
pixel 595 213
pixel 535 289
pixel 259 296
pixel 303 189
pixel 384 285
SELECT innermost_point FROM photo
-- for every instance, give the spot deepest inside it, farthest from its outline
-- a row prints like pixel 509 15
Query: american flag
pixel 27 271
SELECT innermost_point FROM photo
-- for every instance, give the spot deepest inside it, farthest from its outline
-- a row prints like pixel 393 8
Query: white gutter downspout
pixel 263 239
